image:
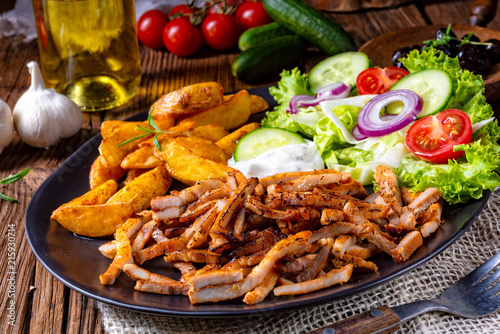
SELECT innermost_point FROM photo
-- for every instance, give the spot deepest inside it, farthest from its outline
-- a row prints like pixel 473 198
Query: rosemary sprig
pixel 153 128
pixel 12 179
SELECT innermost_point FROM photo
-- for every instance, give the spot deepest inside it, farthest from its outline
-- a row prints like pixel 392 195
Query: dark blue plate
pixel 77 262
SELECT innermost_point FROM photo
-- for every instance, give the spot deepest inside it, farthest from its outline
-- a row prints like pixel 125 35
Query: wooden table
pixel 42 303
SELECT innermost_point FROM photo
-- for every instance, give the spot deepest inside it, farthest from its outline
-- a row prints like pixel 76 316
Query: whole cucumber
pixel 312 25
pixel 262 34
pixel 266 58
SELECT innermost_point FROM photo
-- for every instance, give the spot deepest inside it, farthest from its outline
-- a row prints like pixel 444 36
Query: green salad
pixel 458 180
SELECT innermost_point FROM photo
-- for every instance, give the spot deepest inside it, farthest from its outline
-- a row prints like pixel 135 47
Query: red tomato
pixel 252 14
pixel 150 28
pixel 378 80
pixel 183 9
pixel 181 37
pixel 432 137
pixel 220 31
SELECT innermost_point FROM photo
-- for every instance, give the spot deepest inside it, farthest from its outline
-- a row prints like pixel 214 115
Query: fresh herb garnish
pixel 12 179
pixel 446 38
pixel 153 128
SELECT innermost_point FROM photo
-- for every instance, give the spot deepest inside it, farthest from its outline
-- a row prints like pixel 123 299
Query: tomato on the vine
pixel 221 31
pixel 432 137
pixel 252 14
pixel 377 80
pixel 183 10
pixel 181 37
pixel 150 28
pixel 221 6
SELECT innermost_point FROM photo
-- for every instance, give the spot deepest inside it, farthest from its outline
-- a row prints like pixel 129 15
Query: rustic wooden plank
pixel 83 315
pixel 48 312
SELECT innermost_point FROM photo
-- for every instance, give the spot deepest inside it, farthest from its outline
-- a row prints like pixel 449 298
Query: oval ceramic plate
pixel 77 262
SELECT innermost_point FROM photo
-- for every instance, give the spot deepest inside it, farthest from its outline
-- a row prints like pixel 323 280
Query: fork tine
pixel 494 289
pixel 484 269
pixel 490 280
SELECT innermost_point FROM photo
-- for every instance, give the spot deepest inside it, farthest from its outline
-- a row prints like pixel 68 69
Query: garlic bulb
pixel 6 127
pixel 43 116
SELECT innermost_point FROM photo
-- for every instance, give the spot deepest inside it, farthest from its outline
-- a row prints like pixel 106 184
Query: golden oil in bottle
pixel 89 50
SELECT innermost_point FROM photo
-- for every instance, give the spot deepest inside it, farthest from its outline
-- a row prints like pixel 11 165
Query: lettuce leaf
pixel 328 135
pixel 304 122
pixel 291 83
pixel 458 182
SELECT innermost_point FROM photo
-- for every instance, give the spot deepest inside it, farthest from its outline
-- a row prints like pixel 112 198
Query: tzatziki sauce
pixel 289 158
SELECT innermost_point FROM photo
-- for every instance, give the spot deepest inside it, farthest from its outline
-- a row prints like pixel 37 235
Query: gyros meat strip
pixel 387 182
pixel 262 290
pixel 431 219
pixel 289 176
pixel 305 183
pixel 216 277
pixel 334 276
pixel 407 246
pixel 173 287
pixel 414 210
pixel 186 196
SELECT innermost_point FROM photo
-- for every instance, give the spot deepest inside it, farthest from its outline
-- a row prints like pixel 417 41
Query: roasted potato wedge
pixel 203 148
pixel 141 190
pixel 99 195
pixel 100 173
pixel 93 220
pixel 133 174
pixel 258 104
pixel 231 114
pixel 108 127
pixel 212 132
pixel 228 143
pixel 142 158
pixel 189 99
pixel 111 151
pixel 188 167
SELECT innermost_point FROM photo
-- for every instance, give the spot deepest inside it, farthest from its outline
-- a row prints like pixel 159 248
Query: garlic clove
pixel 42 116
pixel 6 126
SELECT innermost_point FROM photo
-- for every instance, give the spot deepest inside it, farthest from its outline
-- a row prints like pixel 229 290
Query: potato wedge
pixel 132 174
pixel 108 127
pixel 228 143
pixel 231 114
pixel 212 132
pixel 258 104
pixel 189 99
pixel 100 173
pixel 188 167
pixel 110 147
pixel 142 158
pixel 141 190
pixel 203 148
pixel 93 220
pixel 99 195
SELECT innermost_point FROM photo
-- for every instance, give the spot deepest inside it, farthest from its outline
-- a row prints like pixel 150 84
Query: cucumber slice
pixel 433 86
pixel 263 139
pixel 343 67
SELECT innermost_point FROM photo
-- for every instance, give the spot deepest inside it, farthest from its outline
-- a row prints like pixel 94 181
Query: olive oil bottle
pixel 89 50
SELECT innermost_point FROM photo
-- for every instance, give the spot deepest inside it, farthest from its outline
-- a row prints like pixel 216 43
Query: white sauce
pixel 290 158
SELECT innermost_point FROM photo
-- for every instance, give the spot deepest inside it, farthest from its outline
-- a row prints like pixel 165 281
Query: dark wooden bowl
pixel 381 48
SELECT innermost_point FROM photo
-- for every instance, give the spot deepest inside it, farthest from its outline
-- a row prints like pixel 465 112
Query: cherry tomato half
pixel 221 31
pixel 378 80
pixel 432 137
pixel 150 28
pixel 181 37
pixel 252 14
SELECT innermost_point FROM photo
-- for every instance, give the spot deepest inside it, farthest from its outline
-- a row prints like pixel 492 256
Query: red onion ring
pixel 370 123
pixel 337 90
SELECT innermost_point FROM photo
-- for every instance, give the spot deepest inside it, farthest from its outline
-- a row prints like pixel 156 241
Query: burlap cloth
pixel 477 245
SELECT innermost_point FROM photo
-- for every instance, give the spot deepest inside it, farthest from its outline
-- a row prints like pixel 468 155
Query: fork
pixel 475 295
